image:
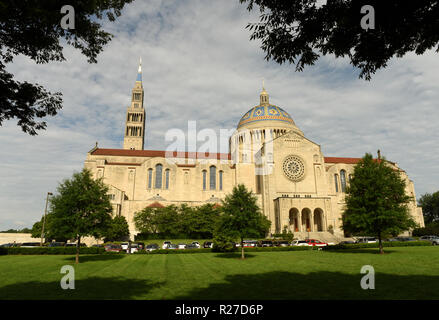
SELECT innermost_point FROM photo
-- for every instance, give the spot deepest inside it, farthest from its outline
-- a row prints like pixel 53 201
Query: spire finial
pixel 263 84
pixel 139 71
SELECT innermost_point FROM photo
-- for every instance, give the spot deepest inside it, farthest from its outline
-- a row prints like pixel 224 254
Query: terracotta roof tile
pixel 160 153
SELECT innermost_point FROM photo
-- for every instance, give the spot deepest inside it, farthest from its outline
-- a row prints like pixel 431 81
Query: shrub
pixel 53 250
pixel 376 245
pixel 223 243
pixel 431 229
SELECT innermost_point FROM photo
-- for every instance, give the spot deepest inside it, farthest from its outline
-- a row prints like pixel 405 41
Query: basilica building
pixel 297 187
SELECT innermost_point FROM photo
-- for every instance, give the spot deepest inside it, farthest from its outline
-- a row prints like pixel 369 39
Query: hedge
pixel 52 250
pixel 376 245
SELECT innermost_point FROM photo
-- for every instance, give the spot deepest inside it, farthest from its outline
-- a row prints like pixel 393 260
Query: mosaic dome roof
pixel 265 113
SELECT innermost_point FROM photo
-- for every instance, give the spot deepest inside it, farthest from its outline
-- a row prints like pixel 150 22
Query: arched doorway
pixel 318 219
pixel 306 220
pixel 294 219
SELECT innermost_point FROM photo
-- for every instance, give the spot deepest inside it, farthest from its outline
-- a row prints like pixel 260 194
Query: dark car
pixel 266 243
pixel 141 245
pixel 151 247
pixel 30 244
pixel 406 239
pixel 56 244
pixel 191 246
pixel 281 243
pixel 347 242
pixel 9 245
pixel 72 244
pixel 98 246
pixel 208 244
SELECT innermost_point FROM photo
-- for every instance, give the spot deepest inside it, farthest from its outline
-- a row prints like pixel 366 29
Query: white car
pixel 181 246
pixel 166 244
pixel 124 246
pixel 134 248
pixel 299 243
pixel 366 240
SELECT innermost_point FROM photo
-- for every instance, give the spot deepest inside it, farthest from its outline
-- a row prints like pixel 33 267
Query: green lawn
pixel 402 273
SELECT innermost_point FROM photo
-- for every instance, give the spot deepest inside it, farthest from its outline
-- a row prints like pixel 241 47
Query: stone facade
pixel 296 185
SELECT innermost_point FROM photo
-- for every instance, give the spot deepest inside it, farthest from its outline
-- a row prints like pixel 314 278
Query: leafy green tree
pixel 430 206
pixel 298 31
pixel 145 220
pixel 118 229
pixel 33 29
pixel 242 217
pixel 376 202
pixel 81 208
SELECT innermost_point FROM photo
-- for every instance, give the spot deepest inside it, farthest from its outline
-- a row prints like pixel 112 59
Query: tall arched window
pixel 149 178
pixel 212 177
pixel 158 176
pixel 204 179
pixel 343 180
pixel 167 178
pixel 221 180
pixel 336 182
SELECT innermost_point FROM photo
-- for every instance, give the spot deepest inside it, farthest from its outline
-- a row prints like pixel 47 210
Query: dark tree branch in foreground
pixel 298 32
pixel 33 28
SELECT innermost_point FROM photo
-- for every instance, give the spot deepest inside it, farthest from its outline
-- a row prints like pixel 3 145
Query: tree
pixel 145 221
pixel 81 208
pixel 118 229
pixel 33 28
pixel 298 31
pixel 376 202
pixel 242 216
pixel 430 206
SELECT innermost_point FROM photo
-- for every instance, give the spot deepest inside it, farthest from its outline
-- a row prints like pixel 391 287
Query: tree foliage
pixel 32 28
pixel 118 229
pixel 81 208
pixel 376 202
pixel 242 216
pixel 430 206
pixel 299 31
pixel 178 221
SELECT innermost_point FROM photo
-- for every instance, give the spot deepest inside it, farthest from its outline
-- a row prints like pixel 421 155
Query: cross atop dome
pixel 264 98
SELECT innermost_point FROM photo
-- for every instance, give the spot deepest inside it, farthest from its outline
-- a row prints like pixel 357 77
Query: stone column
pixel 311 219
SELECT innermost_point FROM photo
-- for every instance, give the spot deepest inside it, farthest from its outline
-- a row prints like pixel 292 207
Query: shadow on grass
pixel 234 255
pixel 96 257
pixel 365 250
pixel 282 285
pixel 85 289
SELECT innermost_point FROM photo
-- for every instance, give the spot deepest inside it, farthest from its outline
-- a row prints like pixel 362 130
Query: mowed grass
pixel 402 273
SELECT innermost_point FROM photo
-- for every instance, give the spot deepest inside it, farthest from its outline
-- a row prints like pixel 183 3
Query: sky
pixel 199 65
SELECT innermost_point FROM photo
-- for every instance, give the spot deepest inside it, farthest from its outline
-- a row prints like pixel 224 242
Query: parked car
pixel 250 243
pixel 282 243
pixel 151 247
pixel 134 248
pixel 196 243
pixel 434 241
pixel 208 244
pixel 56 244
pixel 182 246
pixel 98 245
pixel 347 242
pixel 141 245
pixel 30 244
pixel 172 246
pixel 166 244
pixel 9 245
pixel 366 240
pixel 124 245
pixel 316 243
pixel 265 243
pixel 299 243
pixel 191 246
pixel 428 237
pixel 73 244
pixel 113 248
pixel 405 239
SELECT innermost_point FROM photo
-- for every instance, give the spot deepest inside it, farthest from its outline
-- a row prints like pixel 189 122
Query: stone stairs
pixel 323 236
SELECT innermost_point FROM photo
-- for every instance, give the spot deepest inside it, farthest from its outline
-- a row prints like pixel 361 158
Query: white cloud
pixel 198 64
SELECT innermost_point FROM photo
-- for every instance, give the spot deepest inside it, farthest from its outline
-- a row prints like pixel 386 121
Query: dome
pixel 267 115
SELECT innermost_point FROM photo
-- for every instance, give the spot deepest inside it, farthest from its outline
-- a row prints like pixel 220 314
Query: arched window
pixel 149 178
pixel 167 179
pixel 204 179
pixel 212 177
pixel 336 182
pixel 343 180
pixel 221 180
pixel 158 176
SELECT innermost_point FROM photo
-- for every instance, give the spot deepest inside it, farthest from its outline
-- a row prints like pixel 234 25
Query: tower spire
pixel 263 98
pixel 139 71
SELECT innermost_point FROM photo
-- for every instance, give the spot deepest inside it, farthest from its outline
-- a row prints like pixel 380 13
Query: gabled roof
pixel 156 205
pixel 342 160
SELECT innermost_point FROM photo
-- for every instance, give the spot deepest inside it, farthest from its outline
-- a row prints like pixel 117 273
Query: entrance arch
pixel 294 219
pixel 318 220
pixel 306 220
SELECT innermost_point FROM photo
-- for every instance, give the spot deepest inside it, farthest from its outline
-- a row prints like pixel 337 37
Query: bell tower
pixel 134 136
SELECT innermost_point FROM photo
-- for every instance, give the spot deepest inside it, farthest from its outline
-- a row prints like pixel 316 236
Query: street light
pixel 44 218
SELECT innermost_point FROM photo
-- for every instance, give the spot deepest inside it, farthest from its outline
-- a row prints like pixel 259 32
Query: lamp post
pixel 44 218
